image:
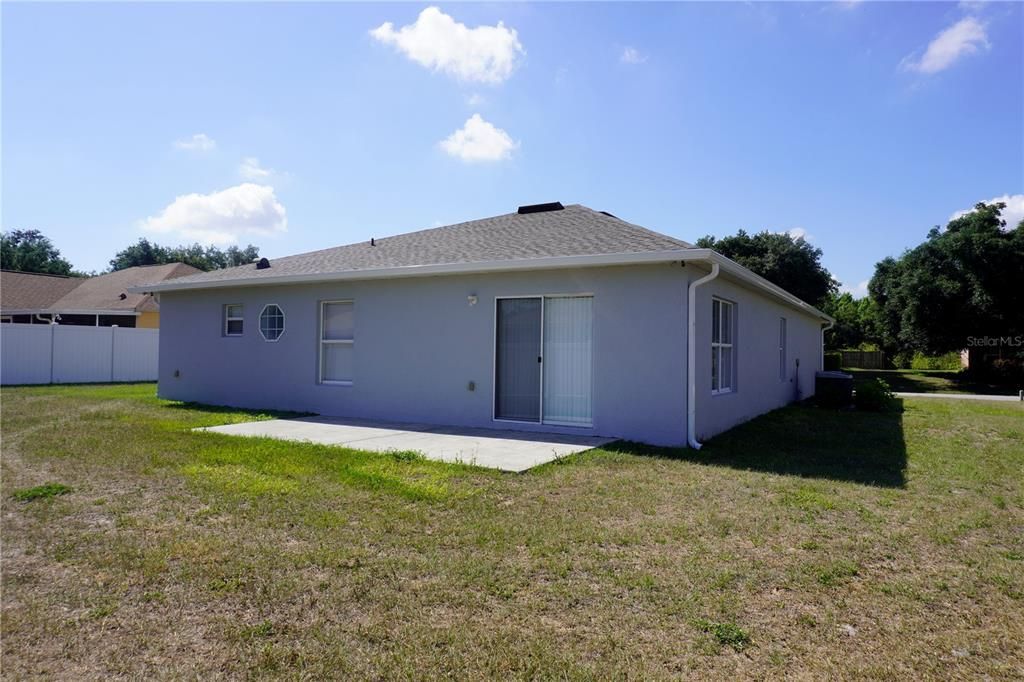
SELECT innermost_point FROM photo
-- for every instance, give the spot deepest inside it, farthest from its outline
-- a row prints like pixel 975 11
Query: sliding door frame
pixel 494 362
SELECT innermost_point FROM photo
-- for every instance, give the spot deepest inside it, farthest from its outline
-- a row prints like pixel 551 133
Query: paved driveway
pixel 505 450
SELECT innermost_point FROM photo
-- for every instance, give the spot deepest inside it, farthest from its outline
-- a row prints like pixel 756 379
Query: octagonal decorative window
pixel 271 322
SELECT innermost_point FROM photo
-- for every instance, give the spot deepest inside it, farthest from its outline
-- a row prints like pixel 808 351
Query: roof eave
pixel 67 311
pixel 730 267
pixel 554 262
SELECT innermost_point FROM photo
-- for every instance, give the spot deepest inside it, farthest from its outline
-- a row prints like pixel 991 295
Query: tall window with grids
pixel 723 360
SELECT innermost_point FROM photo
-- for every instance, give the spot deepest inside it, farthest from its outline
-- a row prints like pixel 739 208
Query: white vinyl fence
pixel 67 354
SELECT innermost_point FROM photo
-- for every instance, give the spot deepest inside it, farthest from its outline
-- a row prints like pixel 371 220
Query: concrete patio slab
pixel 504 450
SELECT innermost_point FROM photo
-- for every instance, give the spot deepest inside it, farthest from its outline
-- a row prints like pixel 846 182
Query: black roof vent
pixel 540 208
pixel 609 214
pixel 123 296
pixel 262 264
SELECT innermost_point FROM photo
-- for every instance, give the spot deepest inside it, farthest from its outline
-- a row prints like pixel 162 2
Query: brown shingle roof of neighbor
pixel 573 231
pixel 33 291
pixel 29 291
pixel 104 292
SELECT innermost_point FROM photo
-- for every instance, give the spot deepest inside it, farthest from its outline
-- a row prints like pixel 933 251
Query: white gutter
pixel 691 356
pixel 825 328
pixel 729 267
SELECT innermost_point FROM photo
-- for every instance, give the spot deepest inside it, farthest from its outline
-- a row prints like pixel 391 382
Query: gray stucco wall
pixel 418 343
pixel 758 386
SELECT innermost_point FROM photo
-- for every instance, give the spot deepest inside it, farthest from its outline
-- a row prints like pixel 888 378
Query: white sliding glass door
pixel 543 360
pixel 568 340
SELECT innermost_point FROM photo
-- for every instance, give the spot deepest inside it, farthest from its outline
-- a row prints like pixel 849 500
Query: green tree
pixel 966 280
pixel 855 324
pixel 791 263
pixel 145 252
pixel 31 251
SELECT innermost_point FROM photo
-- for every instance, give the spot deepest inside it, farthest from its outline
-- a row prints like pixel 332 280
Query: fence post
pixel 113 341
pixel 53 342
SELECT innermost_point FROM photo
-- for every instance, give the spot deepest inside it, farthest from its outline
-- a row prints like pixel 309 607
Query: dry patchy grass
pixel 805 544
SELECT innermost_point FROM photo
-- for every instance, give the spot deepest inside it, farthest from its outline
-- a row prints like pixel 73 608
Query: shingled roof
pixel 573 231
pixel 104 292
pixel 33 291
pixel 23 291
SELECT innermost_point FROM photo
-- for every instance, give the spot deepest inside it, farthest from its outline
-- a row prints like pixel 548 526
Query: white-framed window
pixel 233 322
pixel 782 349
pixel 337 342
pixel 723 358
pixel 271 322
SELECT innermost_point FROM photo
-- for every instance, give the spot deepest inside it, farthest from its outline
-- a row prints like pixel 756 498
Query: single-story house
pixel 100 301
pixel 555 319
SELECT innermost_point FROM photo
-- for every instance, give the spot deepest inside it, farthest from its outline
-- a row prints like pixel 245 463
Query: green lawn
pixel 931 381
pixel 807 543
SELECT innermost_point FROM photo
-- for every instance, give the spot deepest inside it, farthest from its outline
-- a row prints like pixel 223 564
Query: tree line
pixel 32 251
pixel 964 282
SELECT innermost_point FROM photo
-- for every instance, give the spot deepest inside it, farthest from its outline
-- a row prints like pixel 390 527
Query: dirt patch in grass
pixel 807 544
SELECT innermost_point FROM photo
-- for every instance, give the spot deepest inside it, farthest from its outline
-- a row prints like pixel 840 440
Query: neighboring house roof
pixel 104 292
pixel 534 238
pixel 30 291
pixel 44 293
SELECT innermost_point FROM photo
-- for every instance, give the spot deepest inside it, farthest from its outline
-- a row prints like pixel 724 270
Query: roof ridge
pixel 43 274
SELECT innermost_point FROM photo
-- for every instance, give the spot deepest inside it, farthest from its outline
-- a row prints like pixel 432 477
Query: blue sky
pixel 298 127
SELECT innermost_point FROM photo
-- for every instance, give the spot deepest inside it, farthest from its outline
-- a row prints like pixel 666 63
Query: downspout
pixel 821 359
pixel 691 357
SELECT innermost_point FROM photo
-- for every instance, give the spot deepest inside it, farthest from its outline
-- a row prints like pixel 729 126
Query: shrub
pixel 949 361
pixel 902 360
pixel 874 396
pixel 1006 370
pixel 833 361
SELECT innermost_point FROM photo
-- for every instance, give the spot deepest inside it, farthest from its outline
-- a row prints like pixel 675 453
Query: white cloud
pixel 200 142
pixel 479 140
pixel 250 169
pixel 222 217
pixel 631 55
pixel 858 291
pixel 798 233
pixel 1012 214
pixel 475 100
pixel 963 38
pixel 485 54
